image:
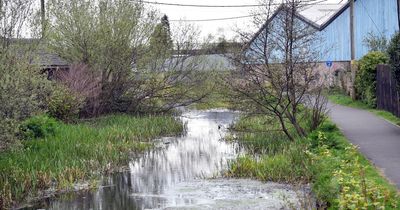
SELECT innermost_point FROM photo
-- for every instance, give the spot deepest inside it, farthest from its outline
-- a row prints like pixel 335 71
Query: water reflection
pixel 174 177
pixel 200 153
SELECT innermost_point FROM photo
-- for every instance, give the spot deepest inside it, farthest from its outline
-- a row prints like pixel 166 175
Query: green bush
pixel 8 130
pixel 65 104
pixel 23 93
pixel 394 57
pixel 37 127
pixel 366 77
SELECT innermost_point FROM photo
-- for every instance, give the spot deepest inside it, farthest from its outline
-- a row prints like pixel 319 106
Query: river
pixel 184 172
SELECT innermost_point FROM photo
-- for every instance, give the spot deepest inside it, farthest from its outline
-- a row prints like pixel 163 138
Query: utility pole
pixel 398 12
pixel 353 66
pixel 353 48
pixel 43 14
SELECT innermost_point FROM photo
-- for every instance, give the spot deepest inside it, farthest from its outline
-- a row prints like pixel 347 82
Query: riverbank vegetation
pixel 218 94
pixel 61 155
pixel 97 79
pixel 340 177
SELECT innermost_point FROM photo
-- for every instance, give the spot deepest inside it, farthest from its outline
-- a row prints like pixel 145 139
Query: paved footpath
pixel 378 139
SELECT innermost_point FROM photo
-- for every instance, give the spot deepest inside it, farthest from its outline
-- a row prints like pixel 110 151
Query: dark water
pixel 177 176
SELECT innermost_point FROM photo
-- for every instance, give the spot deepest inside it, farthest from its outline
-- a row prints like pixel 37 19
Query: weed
pixel 341 178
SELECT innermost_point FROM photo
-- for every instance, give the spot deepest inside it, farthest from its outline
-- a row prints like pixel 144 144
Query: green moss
pixel 77 153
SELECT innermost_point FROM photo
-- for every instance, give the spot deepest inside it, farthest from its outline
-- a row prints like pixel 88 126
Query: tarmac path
pixel 378 139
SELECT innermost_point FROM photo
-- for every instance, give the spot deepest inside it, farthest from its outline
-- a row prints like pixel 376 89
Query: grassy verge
pixel 216 91
pixel 342 99
pixel 341 177
pixel 76 153
pixel 212 101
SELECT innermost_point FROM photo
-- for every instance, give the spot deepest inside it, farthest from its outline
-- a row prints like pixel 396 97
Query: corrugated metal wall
pixel 377 16
pixel 336 38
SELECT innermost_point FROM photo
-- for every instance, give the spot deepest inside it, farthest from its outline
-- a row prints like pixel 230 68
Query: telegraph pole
pixel 353 47
pixel 43 14
pixel 353 66
pixel 398 12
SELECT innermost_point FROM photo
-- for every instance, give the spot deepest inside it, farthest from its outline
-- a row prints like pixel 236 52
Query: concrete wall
pixel 336 76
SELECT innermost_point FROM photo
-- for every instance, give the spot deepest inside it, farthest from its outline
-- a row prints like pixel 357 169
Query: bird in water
pixel 219 127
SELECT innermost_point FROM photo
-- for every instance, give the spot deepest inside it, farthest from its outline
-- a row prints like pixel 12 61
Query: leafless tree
pixel 277 73
pixel 14 15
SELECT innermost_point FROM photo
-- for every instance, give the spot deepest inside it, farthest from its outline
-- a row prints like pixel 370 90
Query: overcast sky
pixel 225 28
pixel 216 28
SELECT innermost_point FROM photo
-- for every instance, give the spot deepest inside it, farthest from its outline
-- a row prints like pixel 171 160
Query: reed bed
pixel 77 153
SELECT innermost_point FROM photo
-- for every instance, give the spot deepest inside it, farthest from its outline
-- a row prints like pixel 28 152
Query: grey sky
pixel 216 28
pixel 219 28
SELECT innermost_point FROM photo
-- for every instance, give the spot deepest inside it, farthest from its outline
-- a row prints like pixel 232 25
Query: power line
pixel 315 2
pixel 373 22
pixel 217 19
pixel 312 2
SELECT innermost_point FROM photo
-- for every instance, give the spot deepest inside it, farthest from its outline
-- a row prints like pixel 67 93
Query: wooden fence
pixel 388 98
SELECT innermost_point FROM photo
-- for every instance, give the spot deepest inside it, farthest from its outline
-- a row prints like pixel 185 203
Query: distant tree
pixel 129 50
pixel 161 37
pixel 222 46
pixel 105 35
pixel 160 44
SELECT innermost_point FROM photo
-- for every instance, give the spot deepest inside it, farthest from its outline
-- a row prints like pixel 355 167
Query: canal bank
pixel 184 172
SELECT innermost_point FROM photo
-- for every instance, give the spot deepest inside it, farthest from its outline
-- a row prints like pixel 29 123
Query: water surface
pixel 183 173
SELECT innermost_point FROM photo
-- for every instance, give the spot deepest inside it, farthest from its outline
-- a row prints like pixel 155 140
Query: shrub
pixel 85 83
pixel 366 77
pixel 65 104
pixel 8 130
pixel 37 127
pixel 376 42
pixel 23 93
pixel 394 57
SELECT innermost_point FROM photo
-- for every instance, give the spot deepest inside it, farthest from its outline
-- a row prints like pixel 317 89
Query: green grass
pixel 217 92
pixel 342 99
pixel 339 174
pixel 212 101
pixel 331 151
pixel 77 153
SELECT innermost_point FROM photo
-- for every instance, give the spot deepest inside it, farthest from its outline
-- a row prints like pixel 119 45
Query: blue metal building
pixel 380 17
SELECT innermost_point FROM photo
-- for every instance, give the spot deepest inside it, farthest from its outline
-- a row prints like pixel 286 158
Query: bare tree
pixel 14 16
pixel 277 73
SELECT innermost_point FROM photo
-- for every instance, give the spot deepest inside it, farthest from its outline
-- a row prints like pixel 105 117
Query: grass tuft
pixel 341 177
pixel 77 153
